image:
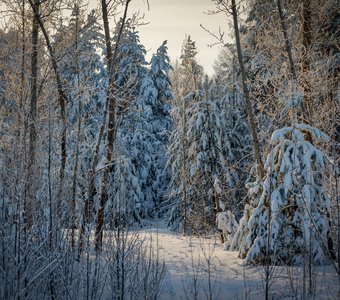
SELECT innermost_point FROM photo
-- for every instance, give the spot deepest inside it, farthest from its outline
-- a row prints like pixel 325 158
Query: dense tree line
pixel 94 139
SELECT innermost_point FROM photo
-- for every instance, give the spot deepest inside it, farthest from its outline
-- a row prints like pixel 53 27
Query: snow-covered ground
pixel 190 261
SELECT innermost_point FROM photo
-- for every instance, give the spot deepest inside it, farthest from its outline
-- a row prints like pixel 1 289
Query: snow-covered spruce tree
pixel 227 223
pixel 186 75
pixel 186 79
pixel 192 71
pixel 206 139
pixel 94 78
pixel 144 135
pixel 202 146
pixel 236 146
pixel 130 66
pixel 154 107
pixel 177 165
pixel 292 215
pixel 124 206
pixel 242 240
pixel 236 149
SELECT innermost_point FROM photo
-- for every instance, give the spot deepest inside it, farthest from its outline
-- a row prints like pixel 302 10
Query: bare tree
pixel 111 106
pixel 233 9
pixel 79 125
pixel 61 92
pixel 33 118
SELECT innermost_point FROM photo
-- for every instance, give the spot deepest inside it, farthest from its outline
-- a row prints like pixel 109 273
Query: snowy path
pixel 187 261
pixel 185 257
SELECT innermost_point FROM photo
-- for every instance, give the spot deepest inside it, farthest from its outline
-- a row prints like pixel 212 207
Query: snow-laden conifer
pixel 198 157
pixel 243 238
pixel 227 223
pixel 130 67
pixel 144 133
pixel 291 219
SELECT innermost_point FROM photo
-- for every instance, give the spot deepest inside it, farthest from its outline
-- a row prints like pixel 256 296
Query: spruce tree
pixel 144 136
pixel 291 218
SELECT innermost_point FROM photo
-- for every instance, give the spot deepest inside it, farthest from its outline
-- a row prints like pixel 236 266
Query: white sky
pixel 171 20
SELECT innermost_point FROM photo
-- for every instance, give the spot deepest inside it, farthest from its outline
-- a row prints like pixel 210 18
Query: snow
pixel 279 134
pixel 186 256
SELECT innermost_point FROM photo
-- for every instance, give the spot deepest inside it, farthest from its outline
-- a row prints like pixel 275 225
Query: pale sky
pixel 172 19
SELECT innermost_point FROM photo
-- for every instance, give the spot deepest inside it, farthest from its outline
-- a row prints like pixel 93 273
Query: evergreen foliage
pixel 144 134
pixel 292 213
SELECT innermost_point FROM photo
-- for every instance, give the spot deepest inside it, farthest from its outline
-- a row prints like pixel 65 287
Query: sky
pixel 171 20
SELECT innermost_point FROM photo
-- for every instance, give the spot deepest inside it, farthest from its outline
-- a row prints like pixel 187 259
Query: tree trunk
pixel 287 42
pixel 62 98
pixel 111 105
pixel 184 169
pixel 306 41
pixel 72 222
pixel 290 58
pixel 22 77
pixel 32 119
pixel 248 106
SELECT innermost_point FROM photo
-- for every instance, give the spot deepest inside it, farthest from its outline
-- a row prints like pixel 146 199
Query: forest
pixel 98 144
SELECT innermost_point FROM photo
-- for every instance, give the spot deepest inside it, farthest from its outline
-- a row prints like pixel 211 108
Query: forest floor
pixel 200 266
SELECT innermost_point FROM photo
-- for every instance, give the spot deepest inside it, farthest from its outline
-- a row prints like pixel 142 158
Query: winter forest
pixel 133 175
